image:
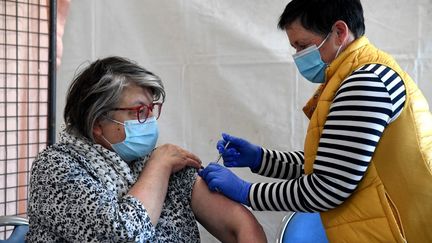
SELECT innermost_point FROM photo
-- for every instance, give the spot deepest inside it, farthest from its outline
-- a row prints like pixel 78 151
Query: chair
pixel 300 227
pixel 20 230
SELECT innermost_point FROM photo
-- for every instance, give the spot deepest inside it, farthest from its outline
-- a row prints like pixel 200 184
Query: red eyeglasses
pixel 144 111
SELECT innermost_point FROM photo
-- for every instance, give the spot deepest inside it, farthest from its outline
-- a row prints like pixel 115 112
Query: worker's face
pixel 300 39
pixel 132 96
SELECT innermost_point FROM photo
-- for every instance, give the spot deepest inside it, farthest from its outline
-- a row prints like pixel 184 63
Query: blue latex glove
pixel 221 179
pixel 239 153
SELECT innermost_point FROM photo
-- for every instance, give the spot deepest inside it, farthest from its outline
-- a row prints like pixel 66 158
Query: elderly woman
pixel 105 181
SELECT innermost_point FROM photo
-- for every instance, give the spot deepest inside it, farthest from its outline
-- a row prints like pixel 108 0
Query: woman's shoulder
pixel 182 181
pixel 186 175
pixel 58 155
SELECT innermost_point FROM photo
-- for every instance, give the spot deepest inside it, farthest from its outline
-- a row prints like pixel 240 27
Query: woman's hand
pixel 152 184
pixel 175 157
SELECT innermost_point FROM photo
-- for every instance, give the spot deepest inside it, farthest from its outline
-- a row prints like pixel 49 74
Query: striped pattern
pixel 367 101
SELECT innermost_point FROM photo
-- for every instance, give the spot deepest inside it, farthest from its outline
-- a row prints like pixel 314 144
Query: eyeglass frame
pixel 138 108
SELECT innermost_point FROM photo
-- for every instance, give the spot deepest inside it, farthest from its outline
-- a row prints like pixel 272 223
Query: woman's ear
pixel 342 32
pixel 98 134
pixel 97 129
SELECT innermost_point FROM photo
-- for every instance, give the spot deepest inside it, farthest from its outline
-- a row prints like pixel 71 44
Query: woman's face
pixel 132 96
pixel 300 39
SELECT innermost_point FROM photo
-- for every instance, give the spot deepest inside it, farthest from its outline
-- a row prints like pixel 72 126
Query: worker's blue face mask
pixel 310 64
pixel 140 139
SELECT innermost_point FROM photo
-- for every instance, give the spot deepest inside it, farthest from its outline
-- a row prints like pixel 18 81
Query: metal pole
pixel 52 72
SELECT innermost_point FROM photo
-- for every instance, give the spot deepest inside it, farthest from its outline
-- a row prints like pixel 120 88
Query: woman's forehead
pixel 136 95
pixel 297 31
pixel 299 36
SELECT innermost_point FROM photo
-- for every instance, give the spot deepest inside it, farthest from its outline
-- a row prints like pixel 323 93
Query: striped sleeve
pixel 367 101
pixel 281 165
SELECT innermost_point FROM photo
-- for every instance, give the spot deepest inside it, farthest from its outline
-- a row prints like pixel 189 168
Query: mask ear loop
pixel 340 47
pixel 108 118
pixel 106 140
pixel 112 120
pixel 322 43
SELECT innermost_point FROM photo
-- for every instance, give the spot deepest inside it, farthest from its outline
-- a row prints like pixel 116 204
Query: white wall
pixel 226 66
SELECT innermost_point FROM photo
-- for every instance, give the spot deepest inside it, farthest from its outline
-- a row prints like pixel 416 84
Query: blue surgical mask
pixel 140 139
pixel 310 64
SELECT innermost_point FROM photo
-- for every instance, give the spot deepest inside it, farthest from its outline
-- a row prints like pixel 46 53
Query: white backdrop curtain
pixel 226 66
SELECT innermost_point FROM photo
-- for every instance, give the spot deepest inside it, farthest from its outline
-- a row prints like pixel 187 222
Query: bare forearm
pixel 151 188
pixel 152 184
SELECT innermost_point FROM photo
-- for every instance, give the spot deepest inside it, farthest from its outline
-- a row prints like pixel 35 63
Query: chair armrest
pixel 282 227
pixel 13 221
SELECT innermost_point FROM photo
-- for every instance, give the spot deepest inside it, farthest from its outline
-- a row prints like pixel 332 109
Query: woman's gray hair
pixel 97 89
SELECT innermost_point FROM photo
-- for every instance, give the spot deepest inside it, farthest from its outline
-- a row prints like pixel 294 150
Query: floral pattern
pixel 78 193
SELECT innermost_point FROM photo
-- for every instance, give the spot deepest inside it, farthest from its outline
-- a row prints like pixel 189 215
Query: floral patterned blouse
pixel 78 193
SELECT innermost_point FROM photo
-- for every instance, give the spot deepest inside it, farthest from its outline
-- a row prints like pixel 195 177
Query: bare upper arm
pixel 227 220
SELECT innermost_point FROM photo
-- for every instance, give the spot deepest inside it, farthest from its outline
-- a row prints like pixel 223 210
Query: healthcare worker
pixel 367 158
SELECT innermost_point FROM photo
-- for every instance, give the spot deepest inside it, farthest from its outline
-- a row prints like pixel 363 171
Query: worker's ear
pixel 342 32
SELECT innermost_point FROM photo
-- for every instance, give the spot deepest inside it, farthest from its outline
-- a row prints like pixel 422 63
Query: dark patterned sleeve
pixel 177 222
pixel 183 182
pixel 66 199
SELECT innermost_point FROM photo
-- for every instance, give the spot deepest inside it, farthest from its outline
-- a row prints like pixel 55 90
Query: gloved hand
pixel 221 179
pixel 239 153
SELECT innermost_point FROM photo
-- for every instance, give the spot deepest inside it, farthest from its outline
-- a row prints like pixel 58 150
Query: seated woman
pixel 105 181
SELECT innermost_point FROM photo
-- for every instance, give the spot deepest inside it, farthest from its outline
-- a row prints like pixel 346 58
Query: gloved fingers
pixel 203 173
pixel 231 163
pixel 220 146
pixel 215 180
pixel 231 158
pixel 230 153
pixel 209 168
pixel 213 166
pixel 215 186
pixel 234 140
pixel 220 175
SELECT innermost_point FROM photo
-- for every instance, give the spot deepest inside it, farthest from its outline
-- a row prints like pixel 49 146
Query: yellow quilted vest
pixel 393 202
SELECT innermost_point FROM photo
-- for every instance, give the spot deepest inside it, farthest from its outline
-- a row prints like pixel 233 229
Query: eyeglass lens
pixel 145 111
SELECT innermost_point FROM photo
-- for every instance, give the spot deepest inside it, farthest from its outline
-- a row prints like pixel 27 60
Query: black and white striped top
pixel 367 101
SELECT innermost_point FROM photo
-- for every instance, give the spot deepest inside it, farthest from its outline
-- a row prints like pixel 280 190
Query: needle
pixel 220 155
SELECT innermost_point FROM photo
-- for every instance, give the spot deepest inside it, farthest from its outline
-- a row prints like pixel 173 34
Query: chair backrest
pixel 20 230
pixel 301 228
